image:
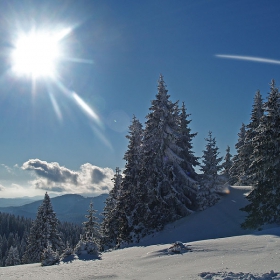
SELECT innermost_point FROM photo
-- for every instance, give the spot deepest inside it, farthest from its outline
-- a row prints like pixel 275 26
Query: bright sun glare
pixel 36 53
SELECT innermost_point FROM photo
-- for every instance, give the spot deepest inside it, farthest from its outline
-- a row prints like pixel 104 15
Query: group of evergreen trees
pixel 159 183
pixel 45 239
pixel 257 161
pixel 14 232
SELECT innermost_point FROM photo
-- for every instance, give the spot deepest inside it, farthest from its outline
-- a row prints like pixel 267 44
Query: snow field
pixel 225 258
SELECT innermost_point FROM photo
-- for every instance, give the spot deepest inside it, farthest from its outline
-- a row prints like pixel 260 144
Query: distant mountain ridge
pixel 19 201
pixel 69 207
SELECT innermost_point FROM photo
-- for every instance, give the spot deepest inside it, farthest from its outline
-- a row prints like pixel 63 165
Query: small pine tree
pixel 13 257
pixel 210 167
pixel 89 242
pixel 42 233
pixel 91 226
pixel 68 251
pixel 49 256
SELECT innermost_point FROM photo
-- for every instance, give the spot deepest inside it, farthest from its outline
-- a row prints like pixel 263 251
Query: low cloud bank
pixel 50 176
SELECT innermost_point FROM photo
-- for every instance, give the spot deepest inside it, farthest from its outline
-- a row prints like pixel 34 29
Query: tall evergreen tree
pixel 159 183
pixel 237 169
pixel 227 164
pixel 210 167
pixel 170 191
pixel 240 171
pixel 251 133
pixel 264 206
pixel 130 200
pixel 43 232
pixel 189 161
pixel 109 225
pixel 256 115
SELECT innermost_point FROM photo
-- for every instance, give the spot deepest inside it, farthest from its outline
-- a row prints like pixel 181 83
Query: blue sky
pixel 50 139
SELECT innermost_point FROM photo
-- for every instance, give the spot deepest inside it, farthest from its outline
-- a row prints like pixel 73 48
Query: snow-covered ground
pixel 251 256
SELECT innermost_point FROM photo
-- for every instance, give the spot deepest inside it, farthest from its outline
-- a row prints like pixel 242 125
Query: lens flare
pixel 37 53
pixel 56 107
pixel 85 107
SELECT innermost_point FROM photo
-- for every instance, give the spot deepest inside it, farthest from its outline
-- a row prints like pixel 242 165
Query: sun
pixel 37 53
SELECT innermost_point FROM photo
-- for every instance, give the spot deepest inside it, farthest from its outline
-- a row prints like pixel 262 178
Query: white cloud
pixel 2 188
pixel 52 171
pixel 89 179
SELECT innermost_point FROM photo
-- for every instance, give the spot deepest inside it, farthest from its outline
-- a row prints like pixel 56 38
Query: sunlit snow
pixel 251 256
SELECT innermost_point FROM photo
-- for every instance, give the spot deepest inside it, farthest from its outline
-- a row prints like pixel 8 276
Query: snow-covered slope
pixel 221 220
pixel 239 257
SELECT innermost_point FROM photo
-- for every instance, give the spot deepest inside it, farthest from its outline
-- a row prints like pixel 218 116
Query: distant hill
pixel 69 207
pixel 6 202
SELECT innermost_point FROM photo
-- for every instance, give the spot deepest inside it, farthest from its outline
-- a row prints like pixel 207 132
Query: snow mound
pixel 239 276
pixel 178 248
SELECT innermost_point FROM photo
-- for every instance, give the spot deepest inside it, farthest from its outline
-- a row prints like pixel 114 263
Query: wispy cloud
pixel 1 188
pixel 249 58
pixel 9 169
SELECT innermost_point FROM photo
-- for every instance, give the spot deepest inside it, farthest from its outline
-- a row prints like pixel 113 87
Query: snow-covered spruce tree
pixel 130 200
pixel 227 164
pixel 264 206
pixel 89 242
pixel 251 133
pixel 169 189
pixel 237 172
pixel 207 192
pixel 43 231
pixel 49 256
pixel 91 226
pixel 189 161
pixel 68 251
pixel 109 225
pixel 13 257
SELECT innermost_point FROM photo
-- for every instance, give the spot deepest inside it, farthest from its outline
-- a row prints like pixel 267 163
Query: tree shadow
pixel 82 257
pixel 178 248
